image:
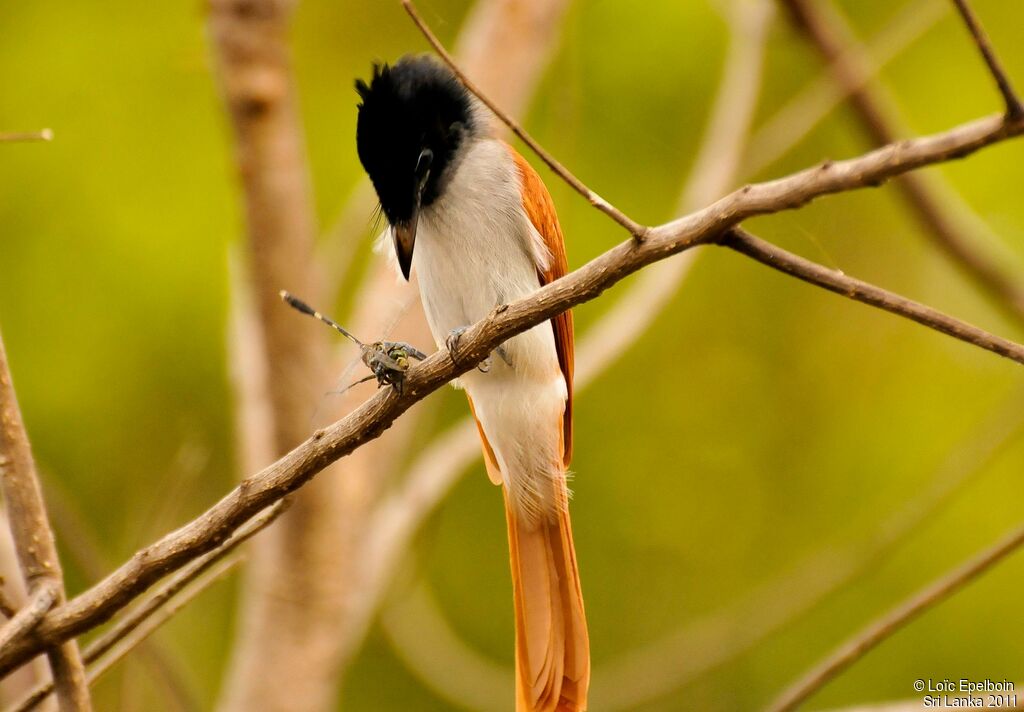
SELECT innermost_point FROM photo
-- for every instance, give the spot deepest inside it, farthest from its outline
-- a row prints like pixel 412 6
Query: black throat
pixel 413 118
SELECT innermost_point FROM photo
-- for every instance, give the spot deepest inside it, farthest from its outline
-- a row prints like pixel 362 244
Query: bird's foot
pixel 452 342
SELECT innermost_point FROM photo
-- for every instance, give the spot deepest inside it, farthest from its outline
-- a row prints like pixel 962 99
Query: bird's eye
pixel 423 164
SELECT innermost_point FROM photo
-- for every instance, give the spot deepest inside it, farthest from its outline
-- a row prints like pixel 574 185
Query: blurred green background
pixel 758 421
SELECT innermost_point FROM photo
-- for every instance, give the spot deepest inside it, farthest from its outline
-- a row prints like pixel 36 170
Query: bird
pixel 477 224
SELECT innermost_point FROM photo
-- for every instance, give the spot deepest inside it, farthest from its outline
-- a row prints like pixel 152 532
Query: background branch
pixel 290 609
pixel 823 28
pixel 142 616
pixel 885 626
pixel 1013 105
pixel 36 549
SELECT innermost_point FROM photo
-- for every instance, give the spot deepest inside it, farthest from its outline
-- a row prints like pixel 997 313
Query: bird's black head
pixel 413 117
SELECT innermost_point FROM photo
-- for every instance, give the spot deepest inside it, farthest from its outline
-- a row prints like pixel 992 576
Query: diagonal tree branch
pixel 136 636
pixel 833 280
pixel 159 599
pixel 28 616
pixel 36 549
pixel 1013 105
pixel 932 211
pixel 710 641
pixel 885 626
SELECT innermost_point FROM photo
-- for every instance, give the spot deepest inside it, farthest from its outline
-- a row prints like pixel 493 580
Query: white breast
pixel 476 249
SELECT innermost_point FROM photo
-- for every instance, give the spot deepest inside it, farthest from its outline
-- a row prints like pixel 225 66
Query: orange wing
pixel 541 211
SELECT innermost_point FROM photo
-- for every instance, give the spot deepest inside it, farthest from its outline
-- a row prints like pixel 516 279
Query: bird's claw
pixel 452 343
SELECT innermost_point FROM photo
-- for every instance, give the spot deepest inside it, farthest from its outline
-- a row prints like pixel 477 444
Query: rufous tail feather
pixel 552 646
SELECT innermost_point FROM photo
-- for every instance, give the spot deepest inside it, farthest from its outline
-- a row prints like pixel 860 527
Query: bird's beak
pixel 405 232
pixel 405 239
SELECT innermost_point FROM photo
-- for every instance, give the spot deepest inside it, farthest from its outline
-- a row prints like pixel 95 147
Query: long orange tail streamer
pixel 552 647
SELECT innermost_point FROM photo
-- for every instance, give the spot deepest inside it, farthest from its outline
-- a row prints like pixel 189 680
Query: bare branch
pixel 931 210
pixel 144 612
pixel 21 624
pixel 634 228
pixel 154 623
pixel 835 281
pixel 26 136
pixel 7 609
pixel 134 638
pixel 1013 105
pixel 36 549
pixel 885 626
pixel 379 412
pixel 183 578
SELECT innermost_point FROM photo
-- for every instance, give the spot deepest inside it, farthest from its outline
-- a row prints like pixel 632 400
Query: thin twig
pixel 584 284
pixel 183 578
pixel 7 609
pixel 885 626
pixel 26 136
pixel 38 604
pixel 835 281
pixel 154 623
pixel 34 544
pixel 637 230
pixel 845 62
pixel 132 639
pixel 141 613
pixel 1013 105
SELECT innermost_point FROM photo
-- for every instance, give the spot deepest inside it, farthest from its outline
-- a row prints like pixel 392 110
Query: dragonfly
pixel 388 361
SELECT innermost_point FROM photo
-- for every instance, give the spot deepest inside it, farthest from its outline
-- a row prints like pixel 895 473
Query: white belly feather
pixel 476 249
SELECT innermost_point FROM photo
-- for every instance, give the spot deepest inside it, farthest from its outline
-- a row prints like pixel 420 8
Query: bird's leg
pixel 452 342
